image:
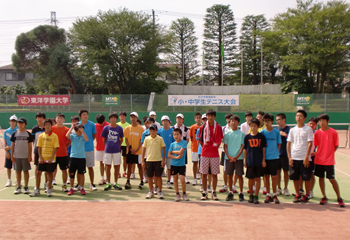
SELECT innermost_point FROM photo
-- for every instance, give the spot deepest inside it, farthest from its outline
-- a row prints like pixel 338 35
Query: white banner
pixel 203 100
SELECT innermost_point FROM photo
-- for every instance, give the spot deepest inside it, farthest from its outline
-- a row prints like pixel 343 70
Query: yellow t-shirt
pixel 154 148
pixel 47 142
pixel 134 134
pixel 259 129
pixel 123 125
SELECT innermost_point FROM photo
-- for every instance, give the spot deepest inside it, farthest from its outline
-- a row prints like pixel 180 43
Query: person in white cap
pixel 185 135
pixel 7 147
pixel 153 114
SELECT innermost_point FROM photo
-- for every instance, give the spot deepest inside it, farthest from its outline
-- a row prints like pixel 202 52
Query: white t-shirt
pixel 245 128
pixel 158 125
pixel 300 138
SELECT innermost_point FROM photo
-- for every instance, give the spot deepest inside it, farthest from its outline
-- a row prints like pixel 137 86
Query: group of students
pixel 301 152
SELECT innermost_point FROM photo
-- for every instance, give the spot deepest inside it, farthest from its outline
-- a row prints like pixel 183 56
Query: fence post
pixel 130 102
pixel 89 101
pixel 6 101
pixel 347 102
pixel 282 102
pixel 325 102
pixel 259 101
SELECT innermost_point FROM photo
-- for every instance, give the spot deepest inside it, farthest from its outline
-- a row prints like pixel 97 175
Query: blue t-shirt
pixel 283 149
pixel 7 136
pixel 78 146
pixel 199 145
pixel 177 147
pixel 89 129
pixel 168 138
pixel 112 135
pixel 272 139
pixel 144 135
pixel 234 141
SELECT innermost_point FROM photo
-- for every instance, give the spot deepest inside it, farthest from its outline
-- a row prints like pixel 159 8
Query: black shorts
pixel 283 163
pixel 178 170
pixel 123 151
pixel 131 159
pixel 222 161
pixel 47 167
pixel 199 163
pixel 63 162
pixel 8 163
pixel 186 158
pixel 154 169
pixel 271 167
pixel 254 172
pixel 77 164
pixel 36 156
pixel 299 170
pixel 321 169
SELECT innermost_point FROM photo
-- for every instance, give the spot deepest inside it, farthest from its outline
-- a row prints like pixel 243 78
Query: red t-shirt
pixel 194 142
pixel 100 146
pixel 210 150
pixel 325 141
pixel 62 140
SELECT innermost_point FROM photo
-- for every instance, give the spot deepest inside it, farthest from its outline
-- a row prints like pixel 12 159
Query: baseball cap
pixel 152 113
pixel 204 115
pixel 22 120
pixel 13 117
pixel 180 115
pixel 153 126
pixel 150 119
pixel 165 117
pixel 134 114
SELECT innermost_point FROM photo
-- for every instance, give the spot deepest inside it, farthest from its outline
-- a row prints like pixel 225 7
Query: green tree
pixel 219 41
pixel 184 49
pixel 44 51
pixel 120 50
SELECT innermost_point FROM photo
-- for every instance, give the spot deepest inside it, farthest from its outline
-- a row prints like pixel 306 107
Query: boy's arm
pixel 264 161
pixel 104 140
pixel 306 159
pixel 121 141
pixel 30 148
pixel 143 156
pixel 240 152
pixel 41 160
pixel 7 148
pixel 86 138
pixel 245 158
pixel 288 153
pixel 279 147
pixel 53 155
pixel 93 136
pixel 164 154
pixel 69 132
pixel 12 151
pixel 227 155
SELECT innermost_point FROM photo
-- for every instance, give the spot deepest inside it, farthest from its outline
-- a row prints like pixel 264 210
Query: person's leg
pixel 257 186
pixel 278 178
pixel 300 184
pixel 168 174
pixel 250 185
pixel 129 170
pixel 335 187
pixel 274 184
pixel 91 174
pixel 26 178
pixel 307 187
pixel 225 178
pixel 72 177
pixel 8 173
pixel 230 182
pixel 234 179
pixel 204 182
pixel 150 183
pixel 133 169
pixel 50 178
pixel 312 182
pixel 38 179
pixel 183 183
pixel 322 186
pixel 81 180
pixel 286 179
pixel 267 183
pixel 210 180
pixel 124 164
pixel 296 186
pixel 176 183
pixel 116 173
pixel 139 166
pixel 195 169
pixel 19 178
pixel 54 173
pixel 215 181
pixel 240 181
pixel 102 169
pixel 108 172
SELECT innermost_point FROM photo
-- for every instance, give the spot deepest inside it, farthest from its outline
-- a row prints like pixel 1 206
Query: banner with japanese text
pixel 43 100
pixel 203 100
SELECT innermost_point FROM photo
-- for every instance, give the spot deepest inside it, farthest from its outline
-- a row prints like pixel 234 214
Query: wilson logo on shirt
pixel 254 142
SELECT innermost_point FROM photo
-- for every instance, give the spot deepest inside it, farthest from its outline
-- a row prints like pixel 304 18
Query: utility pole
pixel 53 19
pixel 262 72
pixel 183 62
pixel 154 17
pixel 242 66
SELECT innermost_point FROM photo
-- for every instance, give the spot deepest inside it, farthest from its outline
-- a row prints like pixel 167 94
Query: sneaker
pixel 311 195
pixel 198 176
pixel 286 192
pixel 234 190
pixel 279 191
pixel 301 192
pixel 125 175
pixel 251 199
pixel 324 201
pixel 140 185
pixel 194 183
pixel 108 187
pixel 68 181
pixel 268 199
pixel 8 183
pixel 45 186
pixel 26 190
pixel 341 203
pixel 275 199
pixel 145 180
pixel 214 196
pixel 155 190
pixel 150 195
pixel 93 187
pixel 127 185
pixel 172 180
pixel 160 195
pixel 18 190
pixel 305 199
pixel 264 190
pixel 186 180
pixel 49 192
pixel 256 200
pixel 201 189
pixel 177 198
pixel 185 197
pixel 64 188
pixel 223 189
pixel 297 199
pixel 204 196
pixel 116 186
pixel 54 182
pixel 229 197
pixel 82 191
pixel 200 182
pixel 209 189
pixel 71 191
pixel 101 182
pixel 168 185
pixel 77 187
pixel 132 176
pixel 35 193
pixel 241 197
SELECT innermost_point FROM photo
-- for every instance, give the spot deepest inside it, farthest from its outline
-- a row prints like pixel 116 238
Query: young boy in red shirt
pixel 194 146
pixel 326 140
pixel 100 146
pixel 210 136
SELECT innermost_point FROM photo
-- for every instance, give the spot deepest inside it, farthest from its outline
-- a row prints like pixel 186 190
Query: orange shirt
pixel 194 142
pixel 100 146
pixel 134 135
pixel 62 139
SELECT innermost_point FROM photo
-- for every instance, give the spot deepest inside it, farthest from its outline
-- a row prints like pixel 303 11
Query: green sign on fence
pixel 303 100
pixel 111 100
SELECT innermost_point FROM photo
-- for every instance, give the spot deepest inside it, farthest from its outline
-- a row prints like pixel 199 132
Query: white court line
pixel 21 182
pixel 342 172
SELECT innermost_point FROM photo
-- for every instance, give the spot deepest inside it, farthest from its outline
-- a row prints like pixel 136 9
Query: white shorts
pixel 168 163
pixel 90 159
pixel 112 157
pixel 194 156
pixel 140 159
pixel 99 155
